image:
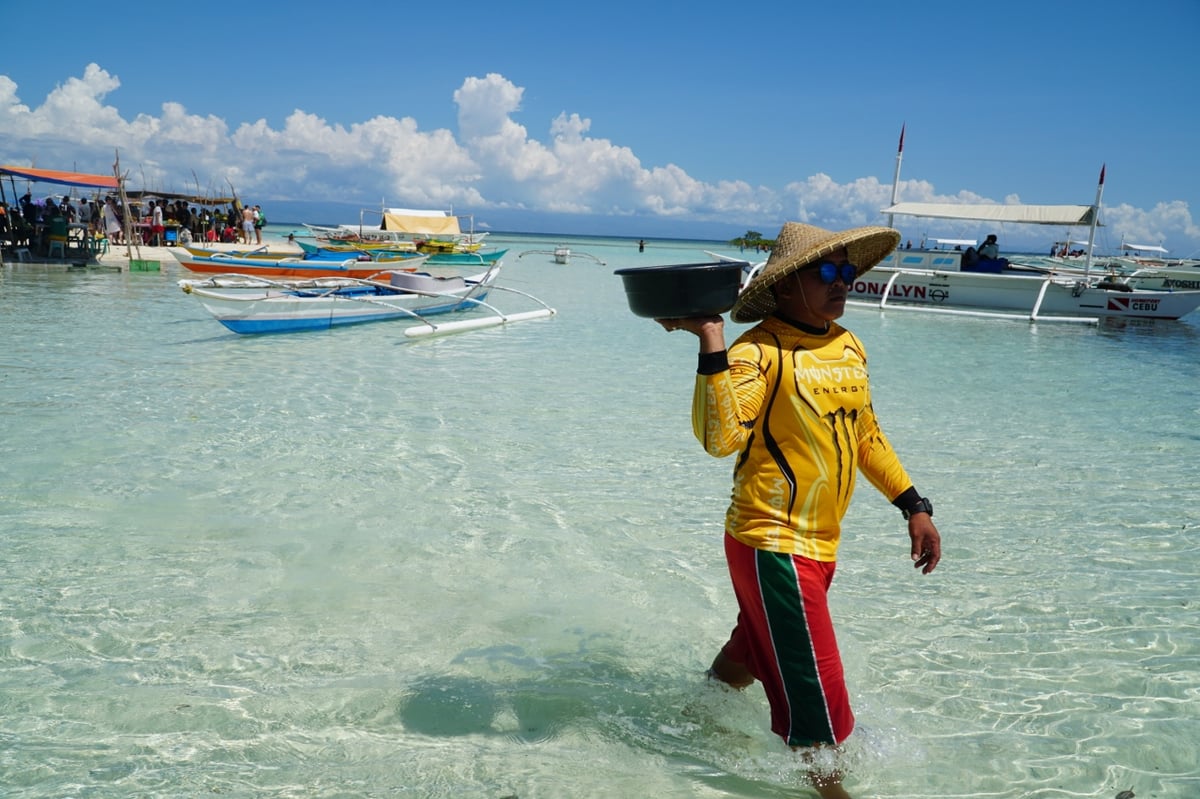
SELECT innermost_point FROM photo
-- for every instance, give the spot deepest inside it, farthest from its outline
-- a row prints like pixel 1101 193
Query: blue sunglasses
pixel 831 272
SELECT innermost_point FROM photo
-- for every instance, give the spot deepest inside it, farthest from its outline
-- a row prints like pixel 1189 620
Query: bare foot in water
pixel 826 779
pixel 830 790
pixel 730 672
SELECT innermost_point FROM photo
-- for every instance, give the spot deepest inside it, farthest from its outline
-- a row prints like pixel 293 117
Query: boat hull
pixel 309 253
pixel 1170 278
pixel 289 267
pixel 372 252
pixel 466 258
pixel 1031 296
pixel 255 309
pixel 1178 276
pixel 382 252
pixel 261 318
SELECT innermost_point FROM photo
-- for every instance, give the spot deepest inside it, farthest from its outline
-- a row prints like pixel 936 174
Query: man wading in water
pixel 792 398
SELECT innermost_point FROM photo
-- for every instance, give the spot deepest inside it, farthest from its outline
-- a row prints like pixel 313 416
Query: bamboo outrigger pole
pixel 126 224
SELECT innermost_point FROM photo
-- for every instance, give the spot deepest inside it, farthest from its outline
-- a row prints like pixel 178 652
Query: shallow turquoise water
pixel 345 564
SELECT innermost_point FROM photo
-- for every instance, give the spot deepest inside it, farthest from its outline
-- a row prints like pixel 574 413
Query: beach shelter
pixel 61 178
pixel 55 176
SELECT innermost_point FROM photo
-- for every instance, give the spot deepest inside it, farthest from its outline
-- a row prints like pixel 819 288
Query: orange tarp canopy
pixel 61 178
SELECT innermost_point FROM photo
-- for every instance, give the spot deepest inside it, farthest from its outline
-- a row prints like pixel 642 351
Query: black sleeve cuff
pixel 908 499
pixel 713 362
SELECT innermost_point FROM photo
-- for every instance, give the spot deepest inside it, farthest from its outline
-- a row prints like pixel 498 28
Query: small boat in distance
pixel 561 254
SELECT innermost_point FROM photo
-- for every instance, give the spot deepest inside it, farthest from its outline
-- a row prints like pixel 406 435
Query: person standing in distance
pixel 248 224
pixel 792 398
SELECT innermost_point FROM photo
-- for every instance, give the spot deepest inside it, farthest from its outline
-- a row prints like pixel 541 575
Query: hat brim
pixel 865 248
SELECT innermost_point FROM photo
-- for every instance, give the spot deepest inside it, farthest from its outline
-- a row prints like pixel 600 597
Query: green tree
pixel 753 240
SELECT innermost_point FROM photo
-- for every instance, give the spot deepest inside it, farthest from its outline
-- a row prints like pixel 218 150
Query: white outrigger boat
pixel 1132 267
pixel 937 280
pixel 1048 297
pixel 252 304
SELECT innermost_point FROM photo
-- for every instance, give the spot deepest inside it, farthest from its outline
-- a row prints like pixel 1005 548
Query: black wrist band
pixel 923 505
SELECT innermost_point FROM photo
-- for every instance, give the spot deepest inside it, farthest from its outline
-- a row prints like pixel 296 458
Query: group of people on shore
pixel 28 222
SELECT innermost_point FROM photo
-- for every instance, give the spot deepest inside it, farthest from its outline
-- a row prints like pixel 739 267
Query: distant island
pixel 753 240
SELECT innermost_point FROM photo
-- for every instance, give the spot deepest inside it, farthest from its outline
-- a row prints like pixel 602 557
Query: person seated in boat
pixel 985 259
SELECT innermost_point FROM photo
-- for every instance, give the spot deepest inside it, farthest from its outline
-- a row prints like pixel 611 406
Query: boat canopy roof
pixel 425 223
pixel 61 178
pixel 1028 214
pixel 415 212
pixel 956 242
pixel 1144 247
pixel 193 199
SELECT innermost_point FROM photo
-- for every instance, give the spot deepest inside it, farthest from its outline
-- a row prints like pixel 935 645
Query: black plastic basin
pixel 680 290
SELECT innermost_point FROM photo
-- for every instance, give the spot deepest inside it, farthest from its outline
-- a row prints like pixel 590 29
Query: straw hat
pixel 798 246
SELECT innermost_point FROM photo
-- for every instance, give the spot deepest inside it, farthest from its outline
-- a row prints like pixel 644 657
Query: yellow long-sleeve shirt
pixel 797 407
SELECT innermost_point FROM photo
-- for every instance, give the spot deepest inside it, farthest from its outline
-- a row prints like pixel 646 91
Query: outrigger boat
pixel 247 304
pixel 462 259
pixel 422 230
pixel 264 263
pixel 561 254
pixel 1131 267
pixel 310 252
pixel 381 251
pixel 938 281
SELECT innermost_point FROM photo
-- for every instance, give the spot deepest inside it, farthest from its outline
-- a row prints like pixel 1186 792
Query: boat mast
pixel 1087 264
pixel 896 179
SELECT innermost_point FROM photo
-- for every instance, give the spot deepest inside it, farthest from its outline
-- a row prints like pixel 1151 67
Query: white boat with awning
pixel 936 280
pixel 1036 297
pixel 1136 250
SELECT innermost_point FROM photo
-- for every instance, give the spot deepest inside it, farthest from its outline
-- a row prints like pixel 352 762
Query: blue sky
pixel 643 119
